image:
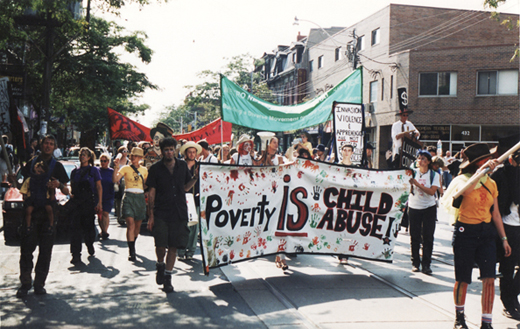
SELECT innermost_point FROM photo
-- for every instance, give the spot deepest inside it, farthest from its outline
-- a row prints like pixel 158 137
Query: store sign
pixel 434 132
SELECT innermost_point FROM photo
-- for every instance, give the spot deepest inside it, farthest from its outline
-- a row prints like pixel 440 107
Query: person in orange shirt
pixel 476 228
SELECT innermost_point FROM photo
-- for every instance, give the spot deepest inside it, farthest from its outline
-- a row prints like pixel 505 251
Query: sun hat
pixel 137 151
pixel 476 152
pixel 189 144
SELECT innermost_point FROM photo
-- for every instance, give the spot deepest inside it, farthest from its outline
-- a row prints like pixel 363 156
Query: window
pixel 373 93
pixel 361 43
pixel 294 57
pixel 320 62
pixel 438 84
pixel 337 54
pixel 375 37
pixel 311 64
pixel 498 82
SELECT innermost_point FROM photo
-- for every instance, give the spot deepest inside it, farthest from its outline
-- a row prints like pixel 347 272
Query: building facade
pixel 455 65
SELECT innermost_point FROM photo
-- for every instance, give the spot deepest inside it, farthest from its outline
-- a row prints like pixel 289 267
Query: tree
pixel 88 74
pixel 509 22
pixel 204 98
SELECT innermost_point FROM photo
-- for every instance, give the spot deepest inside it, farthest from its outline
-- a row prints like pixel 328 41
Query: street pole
pixel 47 75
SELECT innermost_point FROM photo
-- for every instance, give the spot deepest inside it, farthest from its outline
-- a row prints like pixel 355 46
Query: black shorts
pixel 170 233
pixel 474 243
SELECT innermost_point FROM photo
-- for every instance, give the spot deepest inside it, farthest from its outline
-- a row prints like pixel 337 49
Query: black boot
pixel 131 250
pixel 460 321
pixel 486 325
pixel 159 276
pixel 167 284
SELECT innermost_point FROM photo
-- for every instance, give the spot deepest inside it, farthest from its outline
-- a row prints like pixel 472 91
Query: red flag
pixel 211 133
pixel 122 127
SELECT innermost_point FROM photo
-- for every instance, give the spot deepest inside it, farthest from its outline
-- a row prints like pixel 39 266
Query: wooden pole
pixel 478 175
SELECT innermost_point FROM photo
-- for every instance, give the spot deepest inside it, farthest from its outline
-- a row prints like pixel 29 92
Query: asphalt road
pixel 107 291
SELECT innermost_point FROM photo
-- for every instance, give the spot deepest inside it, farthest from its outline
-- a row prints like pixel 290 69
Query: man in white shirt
pixel 401 129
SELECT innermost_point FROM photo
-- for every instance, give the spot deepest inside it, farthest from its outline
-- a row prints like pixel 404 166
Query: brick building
pixel 455 65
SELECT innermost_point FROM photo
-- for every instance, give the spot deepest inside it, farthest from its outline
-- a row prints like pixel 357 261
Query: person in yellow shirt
pixel 133 203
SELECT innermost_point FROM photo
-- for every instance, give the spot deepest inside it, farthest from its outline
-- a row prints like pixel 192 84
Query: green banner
pixel 244 109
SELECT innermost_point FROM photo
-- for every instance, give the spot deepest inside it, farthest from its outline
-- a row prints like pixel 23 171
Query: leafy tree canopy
pixel 88 74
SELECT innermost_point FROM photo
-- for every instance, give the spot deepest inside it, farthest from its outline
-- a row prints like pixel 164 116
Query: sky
pixel 189 36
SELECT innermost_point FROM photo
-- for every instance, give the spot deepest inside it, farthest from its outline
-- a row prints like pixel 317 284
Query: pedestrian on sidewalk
pixel 133 203
pixel 422 211
pixel 87 195
pixel 38 233
pixel 108 194
pixel 168 181
pixel 508 183
pixel 474 235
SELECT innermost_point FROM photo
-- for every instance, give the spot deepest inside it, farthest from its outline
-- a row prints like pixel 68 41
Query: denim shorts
pixel 474 243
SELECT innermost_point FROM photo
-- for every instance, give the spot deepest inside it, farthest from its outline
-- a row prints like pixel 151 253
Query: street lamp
pixel 298 20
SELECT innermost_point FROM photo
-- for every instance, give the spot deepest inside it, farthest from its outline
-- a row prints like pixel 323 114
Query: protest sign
pixel 349 127
pixel 304 207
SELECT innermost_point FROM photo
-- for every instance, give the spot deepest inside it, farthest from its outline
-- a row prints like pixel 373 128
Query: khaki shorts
pixel 134 206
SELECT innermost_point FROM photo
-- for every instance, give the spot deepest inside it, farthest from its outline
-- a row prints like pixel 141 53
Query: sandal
pixel 285 267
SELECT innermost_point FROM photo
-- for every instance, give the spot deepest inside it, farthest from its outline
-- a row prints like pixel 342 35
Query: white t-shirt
pixel 397 128
pixel 245 160
pixel 210 159
pixel 513 219
pixel 420 199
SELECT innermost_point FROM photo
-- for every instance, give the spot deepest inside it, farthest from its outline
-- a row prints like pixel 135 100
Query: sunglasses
pixel 103 160
pixel 124 151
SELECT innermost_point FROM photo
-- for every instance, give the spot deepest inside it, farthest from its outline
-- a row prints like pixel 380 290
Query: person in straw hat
pixel 474 237
pixel 191 150
pixel 133 203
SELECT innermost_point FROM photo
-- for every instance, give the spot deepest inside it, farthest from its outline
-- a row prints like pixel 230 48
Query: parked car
pixel 73 154
pixel 14 212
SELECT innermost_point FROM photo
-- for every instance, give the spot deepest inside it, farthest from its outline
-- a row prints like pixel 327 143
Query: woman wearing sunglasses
pixel 108 194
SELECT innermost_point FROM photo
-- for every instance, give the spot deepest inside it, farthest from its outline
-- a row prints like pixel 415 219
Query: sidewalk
pixel 110 292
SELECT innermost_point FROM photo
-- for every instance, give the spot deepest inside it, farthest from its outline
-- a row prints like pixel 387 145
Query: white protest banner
pixel 349 129
pixel 302 207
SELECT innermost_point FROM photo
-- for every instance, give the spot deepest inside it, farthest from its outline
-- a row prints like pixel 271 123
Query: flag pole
pixel 478 175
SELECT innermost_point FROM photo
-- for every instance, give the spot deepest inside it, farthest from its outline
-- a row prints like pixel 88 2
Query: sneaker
pixel 105 236
pixel 512 313
pixel 167 285
pixel 39 290
pixel 90 248
pixel 343 260
pixel 76 259
pixel 159 276
pixel 460 321
pixel 22 292
pixel 427 270
pixel 415 269
pixel 486 325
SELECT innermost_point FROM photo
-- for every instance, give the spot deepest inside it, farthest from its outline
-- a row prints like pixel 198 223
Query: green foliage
pixel 204 98
pixel 88 75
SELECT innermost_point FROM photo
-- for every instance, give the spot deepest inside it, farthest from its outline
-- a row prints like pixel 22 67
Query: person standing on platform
pixel 402 129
